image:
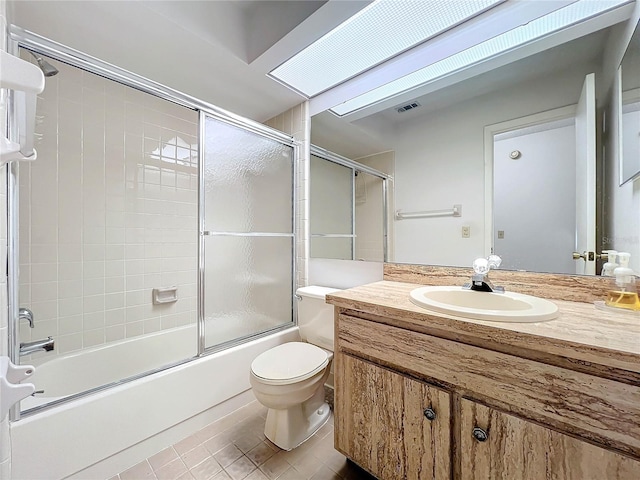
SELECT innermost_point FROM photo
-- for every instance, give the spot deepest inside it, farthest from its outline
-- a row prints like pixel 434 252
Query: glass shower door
pixel 247 248
pixel 332 209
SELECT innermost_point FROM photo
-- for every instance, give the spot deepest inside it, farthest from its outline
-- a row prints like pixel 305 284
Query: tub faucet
pixel 37 346
pixel 26 314
pixel 479 280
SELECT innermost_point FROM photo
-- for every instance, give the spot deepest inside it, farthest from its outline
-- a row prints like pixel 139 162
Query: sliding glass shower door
pixel 247 240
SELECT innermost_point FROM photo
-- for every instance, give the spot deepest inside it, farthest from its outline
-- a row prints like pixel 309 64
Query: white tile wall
pixel 297 122
pixel 107 213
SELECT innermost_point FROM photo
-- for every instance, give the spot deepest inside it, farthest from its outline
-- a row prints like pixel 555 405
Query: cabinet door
pixel 381 423
pixel 516 449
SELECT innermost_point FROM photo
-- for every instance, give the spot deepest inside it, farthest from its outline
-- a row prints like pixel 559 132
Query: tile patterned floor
pixel 235 448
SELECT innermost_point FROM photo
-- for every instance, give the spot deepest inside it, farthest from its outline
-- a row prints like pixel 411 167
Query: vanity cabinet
pixel 391 425
pixel 496 445
pixel 418 406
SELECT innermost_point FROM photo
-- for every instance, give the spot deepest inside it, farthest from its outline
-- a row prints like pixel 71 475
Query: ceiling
pixel 367 135
pixel 217 51
pixel 220 51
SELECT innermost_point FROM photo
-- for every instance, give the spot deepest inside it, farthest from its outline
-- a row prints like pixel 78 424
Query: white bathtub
pixel 77 372
pixel 73 436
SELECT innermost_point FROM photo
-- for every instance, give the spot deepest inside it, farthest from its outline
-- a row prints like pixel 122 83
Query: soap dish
pixel 603 306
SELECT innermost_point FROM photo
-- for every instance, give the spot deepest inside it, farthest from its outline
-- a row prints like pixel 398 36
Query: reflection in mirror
pixel 348 204
pixel 527 162
pixel 630 84
pixel 439 150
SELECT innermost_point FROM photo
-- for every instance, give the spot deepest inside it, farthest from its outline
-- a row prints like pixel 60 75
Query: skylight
pixel 325 63
pixel 553 22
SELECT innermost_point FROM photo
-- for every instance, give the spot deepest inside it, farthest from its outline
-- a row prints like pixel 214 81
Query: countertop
pixel 582 337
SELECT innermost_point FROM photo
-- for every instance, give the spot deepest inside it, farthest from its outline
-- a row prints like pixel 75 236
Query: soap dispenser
pixel 610 265
pixel 623 292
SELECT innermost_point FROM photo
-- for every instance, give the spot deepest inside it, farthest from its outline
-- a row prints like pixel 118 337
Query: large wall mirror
pixel 630 111
pixel 446 143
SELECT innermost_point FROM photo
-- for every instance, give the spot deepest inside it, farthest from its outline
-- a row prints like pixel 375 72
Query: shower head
pixel 48 69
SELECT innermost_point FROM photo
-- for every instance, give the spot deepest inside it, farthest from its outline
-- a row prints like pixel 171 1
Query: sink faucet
pixel 479 280
pixel 37 346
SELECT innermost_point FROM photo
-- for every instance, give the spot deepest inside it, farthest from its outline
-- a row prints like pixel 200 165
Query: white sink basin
pixel 497 307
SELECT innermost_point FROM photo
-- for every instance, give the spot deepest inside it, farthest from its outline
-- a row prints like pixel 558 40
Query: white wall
pixel 440 162
pixel 621 224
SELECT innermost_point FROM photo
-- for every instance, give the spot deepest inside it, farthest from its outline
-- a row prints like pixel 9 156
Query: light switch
pixel 500 233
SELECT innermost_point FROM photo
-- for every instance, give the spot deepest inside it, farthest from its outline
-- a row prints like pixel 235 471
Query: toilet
pixel 289 379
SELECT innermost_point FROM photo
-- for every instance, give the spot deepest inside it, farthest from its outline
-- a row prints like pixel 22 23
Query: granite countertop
pixel 582 336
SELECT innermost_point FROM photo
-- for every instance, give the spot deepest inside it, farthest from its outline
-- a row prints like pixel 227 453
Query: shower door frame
pixel 203 234
pixel 17 38
pixel 355 166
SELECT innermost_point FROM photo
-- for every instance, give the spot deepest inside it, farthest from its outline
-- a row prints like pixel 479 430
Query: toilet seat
pixel 289 363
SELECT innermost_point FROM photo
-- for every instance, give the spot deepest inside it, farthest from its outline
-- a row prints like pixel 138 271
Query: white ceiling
pixel 218 51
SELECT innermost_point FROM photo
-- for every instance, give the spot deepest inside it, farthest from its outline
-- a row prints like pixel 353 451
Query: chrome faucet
pixel 479 280
pixel 26 314
pixel 37 346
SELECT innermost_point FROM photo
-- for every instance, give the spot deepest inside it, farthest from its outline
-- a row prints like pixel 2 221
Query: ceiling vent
pixel 409 106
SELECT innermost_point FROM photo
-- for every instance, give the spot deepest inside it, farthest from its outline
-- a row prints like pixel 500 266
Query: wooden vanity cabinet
pixel 389 424
pixel 496 445
pixel 393 421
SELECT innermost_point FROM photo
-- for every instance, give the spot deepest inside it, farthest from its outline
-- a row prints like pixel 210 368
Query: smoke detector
pixel 409 106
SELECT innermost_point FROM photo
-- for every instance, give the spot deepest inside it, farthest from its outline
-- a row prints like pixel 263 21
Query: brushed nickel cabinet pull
pixel 480 435
pixel 430 413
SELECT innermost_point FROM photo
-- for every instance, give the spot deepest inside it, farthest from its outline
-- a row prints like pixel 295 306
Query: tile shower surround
pixel 107 212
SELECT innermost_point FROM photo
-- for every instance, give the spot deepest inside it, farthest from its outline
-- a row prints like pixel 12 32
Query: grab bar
pixel 456 211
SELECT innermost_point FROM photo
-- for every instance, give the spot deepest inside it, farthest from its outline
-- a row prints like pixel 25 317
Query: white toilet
pixel 289 379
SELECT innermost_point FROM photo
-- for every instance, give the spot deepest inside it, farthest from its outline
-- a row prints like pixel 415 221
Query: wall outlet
pixel 466 231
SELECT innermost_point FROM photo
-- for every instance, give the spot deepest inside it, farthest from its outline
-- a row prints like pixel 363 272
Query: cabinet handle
pixel 430 413
pixel 480 435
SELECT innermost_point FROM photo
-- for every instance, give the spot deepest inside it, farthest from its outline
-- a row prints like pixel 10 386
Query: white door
pixel 534 176
pixel 586 177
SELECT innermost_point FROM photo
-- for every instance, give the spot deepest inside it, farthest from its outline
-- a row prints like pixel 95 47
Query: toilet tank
pixel 315 316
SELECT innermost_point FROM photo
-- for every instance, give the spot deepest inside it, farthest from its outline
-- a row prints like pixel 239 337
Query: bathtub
pixel 76 372
pixel 91 368
pixel 69 438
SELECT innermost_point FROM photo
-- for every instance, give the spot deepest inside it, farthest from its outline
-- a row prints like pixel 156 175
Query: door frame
pixel 489 132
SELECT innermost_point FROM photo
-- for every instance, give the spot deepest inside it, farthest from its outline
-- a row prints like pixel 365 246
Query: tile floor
pixel 235 448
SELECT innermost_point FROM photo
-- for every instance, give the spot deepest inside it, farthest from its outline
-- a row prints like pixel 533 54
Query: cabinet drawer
pixel 594 408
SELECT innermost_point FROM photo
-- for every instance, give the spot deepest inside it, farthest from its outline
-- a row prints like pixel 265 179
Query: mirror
pixel 439 147
pixel 630 131
pixel 348 204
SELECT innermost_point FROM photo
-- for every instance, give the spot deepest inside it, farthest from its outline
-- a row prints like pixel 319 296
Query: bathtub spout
pixel 37 346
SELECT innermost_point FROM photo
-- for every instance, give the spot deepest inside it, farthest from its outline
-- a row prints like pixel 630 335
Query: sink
pixel 497 307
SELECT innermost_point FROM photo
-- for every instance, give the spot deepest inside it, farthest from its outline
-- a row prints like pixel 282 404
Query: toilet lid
pixel 293 361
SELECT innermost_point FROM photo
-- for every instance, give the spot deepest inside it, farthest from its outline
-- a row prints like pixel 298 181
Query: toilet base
pixel 291 427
